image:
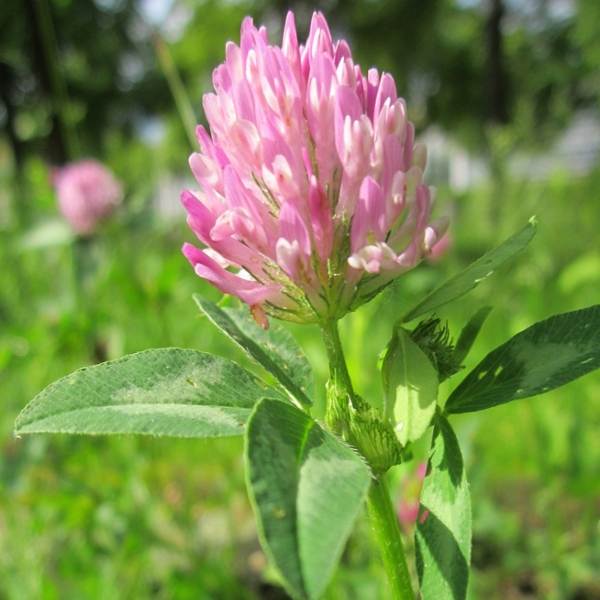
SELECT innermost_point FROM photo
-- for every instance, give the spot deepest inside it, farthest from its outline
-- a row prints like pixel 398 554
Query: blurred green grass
pixel 133 517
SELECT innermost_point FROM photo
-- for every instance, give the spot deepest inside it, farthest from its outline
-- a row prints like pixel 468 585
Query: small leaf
pixel 410 387
pixel 443 532
pixel 307 488
pixel 543 357
pixel 469 333
pixel 50 233
pixel 276 349
pixel 474 274
pixel 166 391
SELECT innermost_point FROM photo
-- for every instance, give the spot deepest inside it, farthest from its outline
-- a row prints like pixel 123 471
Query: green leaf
pixel 307 488
pixel 410 387
pixel 537 360
pixel 49 233
pixel 443 532
pixel 468 279
pixel 469 333
pixel 276 349
pixel 167 391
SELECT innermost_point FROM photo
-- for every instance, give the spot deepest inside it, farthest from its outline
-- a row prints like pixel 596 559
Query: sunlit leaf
pixel 307 488
pixel 165 392
pixel 47 234
pixel 410 387
pixel 537 360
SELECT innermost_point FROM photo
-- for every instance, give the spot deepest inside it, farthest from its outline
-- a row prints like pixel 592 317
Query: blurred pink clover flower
pixel 87 192
pixel 410 492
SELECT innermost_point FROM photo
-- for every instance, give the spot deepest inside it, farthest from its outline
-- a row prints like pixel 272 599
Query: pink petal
pixel 249 292
pixel 321 219
pixel 369 221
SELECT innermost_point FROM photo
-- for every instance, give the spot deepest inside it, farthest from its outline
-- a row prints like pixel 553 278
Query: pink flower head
pixel 311 184
pixel 87 192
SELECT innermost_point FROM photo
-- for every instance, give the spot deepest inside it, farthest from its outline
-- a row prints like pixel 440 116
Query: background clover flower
pixel 409 501
pixel 86 192
pixel 311 184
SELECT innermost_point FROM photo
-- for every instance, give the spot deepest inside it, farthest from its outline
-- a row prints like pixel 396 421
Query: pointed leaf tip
pixel 544 356
pixel 469 333
pixel 474 274
pixel 273 348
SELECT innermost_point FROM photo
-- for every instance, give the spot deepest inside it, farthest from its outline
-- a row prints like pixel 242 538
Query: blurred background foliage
pixel 506 91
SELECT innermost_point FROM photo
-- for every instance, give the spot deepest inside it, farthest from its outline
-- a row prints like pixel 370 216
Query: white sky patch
pixel 155 11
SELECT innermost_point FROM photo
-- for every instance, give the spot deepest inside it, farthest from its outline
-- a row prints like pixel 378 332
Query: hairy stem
pixel 341 401
pixel 338 371
pixel 385 524
pixel 340 394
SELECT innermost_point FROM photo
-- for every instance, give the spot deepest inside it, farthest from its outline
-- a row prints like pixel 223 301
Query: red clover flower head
pixel 311 183
pixel 87 192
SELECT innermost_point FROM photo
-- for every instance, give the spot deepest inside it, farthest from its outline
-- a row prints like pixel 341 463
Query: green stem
pixel 339 378
pixel 182 100
pixel 340 394
pixel 385 524
pixel 340 401
pixel 60 97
